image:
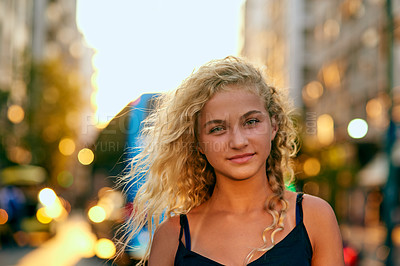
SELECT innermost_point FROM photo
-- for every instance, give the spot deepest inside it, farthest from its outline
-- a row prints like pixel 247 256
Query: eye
pixel 252 122
pixel 216 129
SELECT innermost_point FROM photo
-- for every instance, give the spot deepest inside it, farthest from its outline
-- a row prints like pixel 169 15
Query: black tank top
pixel 294 249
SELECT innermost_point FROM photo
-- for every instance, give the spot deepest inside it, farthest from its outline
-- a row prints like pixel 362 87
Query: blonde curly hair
pixel 177 177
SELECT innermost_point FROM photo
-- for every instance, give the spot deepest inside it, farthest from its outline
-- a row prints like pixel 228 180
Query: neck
pixel 240 196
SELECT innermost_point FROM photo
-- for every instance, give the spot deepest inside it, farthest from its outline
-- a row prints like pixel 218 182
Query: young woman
pixel 215 156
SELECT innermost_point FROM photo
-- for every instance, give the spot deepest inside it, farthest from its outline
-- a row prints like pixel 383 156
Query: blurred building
pixel 45 88
pixel 14 41
pixel 271 41
pixel 339 61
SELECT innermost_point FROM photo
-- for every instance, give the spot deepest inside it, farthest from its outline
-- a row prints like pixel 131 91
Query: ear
pixel 274 127
pixel 200 149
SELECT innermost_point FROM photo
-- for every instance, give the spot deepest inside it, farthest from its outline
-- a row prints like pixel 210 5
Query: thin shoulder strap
pixel 299 208
pixel 185 229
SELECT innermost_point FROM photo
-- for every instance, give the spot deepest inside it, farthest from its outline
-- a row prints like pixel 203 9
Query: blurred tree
pixel 54 103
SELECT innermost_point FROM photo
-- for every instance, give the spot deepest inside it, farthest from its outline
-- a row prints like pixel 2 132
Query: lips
pixel 241 158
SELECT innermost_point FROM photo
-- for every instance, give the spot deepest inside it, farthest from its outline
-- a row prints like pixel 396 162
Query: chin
pixel 241 176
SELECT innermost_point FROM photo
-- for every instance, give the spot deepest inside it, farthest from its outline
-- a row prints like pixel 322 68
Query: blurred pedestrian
pixel 216 153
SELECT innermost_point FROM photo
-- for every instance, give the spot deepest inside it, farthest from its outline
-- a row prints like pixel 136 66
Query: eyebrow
pixel 249 113
pixel 219 121
pixel 216 121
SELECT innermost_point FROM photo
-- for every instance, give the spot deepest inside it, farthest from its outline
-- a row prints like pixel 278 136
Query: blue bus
pixel 115 146
pixel 140 109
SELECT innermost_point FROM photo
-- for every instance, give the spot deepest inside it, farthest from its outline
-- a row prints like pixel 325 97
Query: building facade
pixel 45 89
pixel 339 61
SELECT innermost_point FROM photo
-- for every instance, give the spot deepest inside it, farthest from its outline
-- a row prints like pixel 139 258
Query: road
pixel 11 255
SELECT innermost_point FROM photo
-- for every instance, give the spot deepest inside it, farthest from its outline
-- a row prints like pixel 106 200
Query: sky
pixel 151 46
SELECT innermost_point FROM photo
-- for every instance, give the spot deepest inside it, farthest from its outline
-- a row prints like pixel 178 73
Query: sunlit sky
pixel 151 46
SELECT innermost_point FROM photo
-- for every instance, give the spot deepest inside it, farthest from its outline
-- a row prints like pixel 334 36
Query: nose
pixel 238 139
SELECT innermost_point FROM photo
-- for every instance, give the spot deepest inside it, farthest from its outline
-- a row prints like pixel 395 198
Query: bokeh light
pixel 331 75
pixel 97 214
pixel 374 108
pixel 357 128
pixel 47 196
pixel 325 129
pixel 85 156
pixel 3 216
pixel 312 167
pixel 382 252
pixel 331 29
pixel 105 248
pixel 370 37
pixel 53 207
pixel 104 191
pixel 65 179
pixel 54 210
pixel 42 217
pixel 15 114
pixel 19 155
pixel 66 146
pixel 396 235
pixel 314 89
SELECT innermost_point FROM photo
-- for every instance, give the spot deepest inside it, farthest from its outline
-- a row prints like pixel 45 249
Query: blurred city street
pixel 71 245
pixel 77 78
pixel 11 257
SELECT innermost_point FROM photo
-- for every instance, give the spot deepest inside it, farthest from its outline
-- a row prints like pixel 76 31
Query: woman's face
pixel 235 134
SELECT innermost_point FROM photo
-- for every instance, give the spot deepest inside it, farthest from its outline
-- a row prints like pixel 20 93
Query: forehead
pixel 232 102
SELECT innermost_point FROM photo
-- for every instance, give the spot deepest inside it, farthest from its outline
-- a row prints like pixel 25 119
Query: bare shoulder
pixel 323 230
pixel 165 242
pixel 318 214
pixel 169 227
pixel 316 206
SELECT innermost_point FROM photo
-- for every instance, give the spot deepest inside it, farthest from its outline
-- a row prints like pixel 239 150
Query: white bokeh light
pixel 357 128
